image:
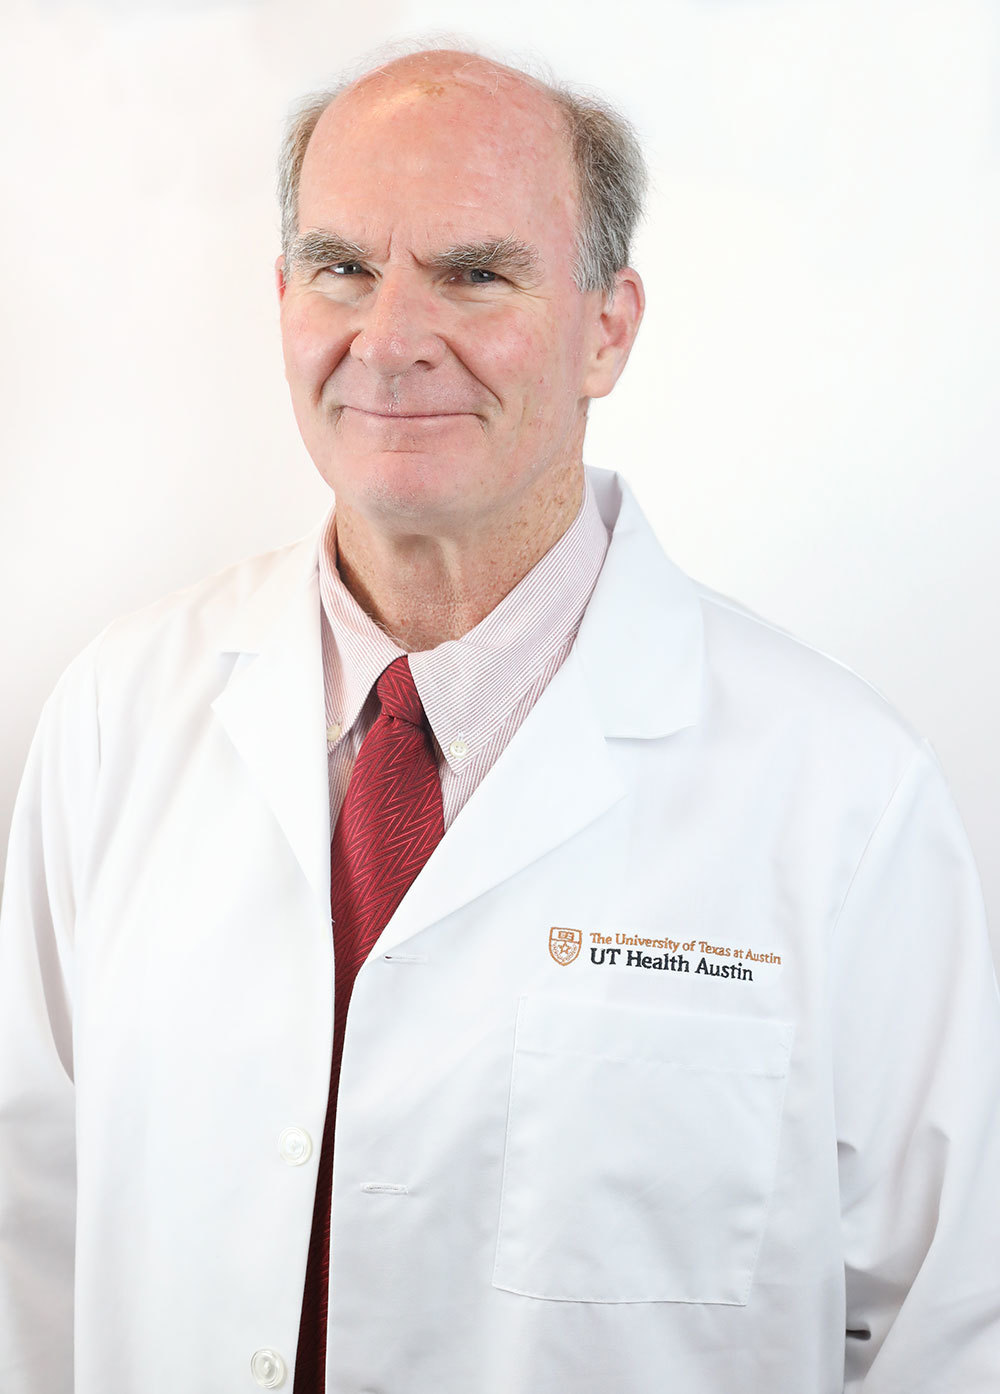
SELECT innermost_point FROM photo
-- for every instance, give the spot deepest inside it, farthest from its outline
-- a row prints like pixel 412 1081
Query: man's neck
pixel 423 589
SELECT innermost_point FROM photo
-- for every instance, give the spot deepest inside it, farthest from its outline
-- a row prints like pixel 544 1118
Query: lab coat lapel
pixel 635 672
pixel 273 711
pixel 554 778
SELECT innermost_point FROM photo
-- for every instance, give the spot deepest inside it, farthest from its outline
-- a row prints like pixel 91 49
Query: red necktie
pixel 390 823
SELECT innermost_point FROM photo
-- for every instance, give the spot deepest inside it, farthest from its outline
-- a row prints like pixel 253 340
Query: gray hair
pixel 610 170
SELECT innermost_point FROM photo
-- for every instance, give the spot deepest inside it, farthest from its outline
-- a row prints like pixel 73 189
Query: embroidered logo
pixel 564 944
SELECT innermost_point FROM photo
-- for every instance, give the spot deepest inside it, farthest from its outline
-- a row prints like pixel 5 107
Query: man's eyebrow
pixel 320 248
pixel 507 254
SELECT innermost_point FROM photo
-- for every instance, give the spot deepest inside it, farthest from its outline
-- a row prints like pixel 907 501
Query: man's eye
pixel 479 276
pixel 346 268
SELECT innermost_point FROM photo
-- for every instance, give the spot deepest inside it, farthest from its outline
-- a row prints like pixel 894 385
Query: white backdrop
pixel 811 415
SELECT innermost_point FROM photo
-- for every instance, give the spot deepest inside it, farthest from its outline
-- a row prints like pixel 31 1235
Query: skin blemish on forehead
pixel 474 72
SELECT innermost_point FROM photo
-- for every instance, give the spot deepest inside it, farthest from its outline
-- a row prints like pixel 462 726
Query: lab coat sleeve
pixel 917 1087
pixel 48 851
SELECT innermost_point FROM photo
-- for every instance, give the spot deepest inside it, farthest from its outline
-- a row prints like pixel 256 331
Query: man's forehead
pixel 425 156
pixel 466 162
pixel 444 90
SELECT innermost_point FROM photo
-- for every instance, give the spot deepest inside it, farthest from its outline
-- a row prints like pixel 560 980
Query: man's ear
pixel 614 333
pixel 279 277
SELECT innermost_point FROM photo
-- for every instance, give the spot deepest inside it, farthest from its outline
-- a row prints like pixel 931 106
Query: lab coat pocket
pixel 640 1153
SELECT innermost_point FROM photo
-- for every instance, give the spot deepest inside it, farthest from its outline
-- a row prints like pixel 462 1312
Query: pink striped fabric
pixel 476 690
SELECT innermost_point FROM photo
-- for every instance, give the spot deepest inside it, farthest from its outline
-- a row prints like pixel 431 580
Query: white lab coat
pixel 598 1176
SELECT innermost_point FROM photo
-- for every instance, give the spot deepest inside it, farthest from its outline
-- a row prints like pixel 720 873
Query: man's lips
pixel 404 415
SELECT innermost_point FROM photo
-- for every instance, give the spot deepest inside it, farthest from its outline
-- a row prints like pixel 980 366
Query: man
pixel 673 1049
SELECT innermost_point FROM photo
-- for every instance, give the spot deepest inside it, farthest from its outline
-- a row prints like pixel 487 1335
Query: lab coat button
pixel 295 1146
pixel 268 1369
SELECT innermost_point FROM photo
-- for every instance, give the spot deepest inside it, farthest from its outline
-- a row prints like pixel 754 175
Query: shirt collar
pixel 469 686
pixel 355 650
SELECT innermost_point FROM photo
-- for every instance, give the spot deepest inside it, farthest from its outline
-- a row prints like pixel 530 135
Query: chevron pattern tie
pixel 390 823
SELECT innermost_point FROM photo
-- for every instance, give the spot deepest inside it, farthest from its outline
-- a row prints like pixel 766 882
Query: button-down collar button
pixel 268 1369
pixel 459 748
pixel 295 1146
pixel 333 732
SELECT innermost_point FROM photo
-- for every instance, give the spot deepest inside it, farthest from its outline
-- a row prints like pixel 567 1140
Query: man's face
pixel 438 351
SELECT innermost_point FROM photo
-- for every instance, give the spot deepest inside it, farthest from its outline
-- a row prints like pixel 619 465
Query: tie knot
pixel 397 693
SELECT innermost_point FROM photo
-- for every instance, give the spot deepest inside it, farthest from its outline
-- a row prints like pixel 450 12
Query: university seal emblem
pixel 564 944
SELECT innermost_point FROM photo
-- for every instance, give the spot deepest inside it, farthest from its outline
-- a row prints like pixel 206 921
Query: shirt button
pixel 295 1146
pixel 333 732
pixel 268 1369
pixel 458 748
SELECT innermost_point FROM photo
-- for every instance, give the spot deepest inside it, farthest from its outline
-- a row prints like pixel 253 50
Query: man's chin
pixel 400 489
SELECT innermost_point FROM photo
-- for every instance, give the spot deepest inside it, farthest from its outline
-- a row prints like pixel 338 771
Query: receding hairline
pixel 426 68
pixel 432 72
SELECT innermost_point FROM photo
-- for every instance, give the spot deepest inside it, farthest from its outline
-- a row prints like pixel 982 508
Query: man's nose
pixel 397 327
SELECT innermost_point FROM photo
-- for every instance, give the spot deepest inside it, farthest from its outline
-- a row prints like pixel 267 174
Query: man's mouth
pixel 404 415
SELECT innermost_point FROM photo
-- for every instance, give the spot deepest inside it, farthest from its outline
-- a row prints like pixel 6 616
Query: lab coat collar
pixel 272 707
pixel 289 579
pixel 641 643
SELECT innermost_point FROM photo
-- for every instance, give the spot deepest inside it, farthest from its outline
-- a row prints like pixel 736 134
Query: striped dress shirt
pixel 476 690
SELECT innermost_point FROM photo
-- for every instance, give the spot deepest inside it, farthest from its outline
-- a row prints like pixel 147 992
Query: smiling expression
pixel 439 353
